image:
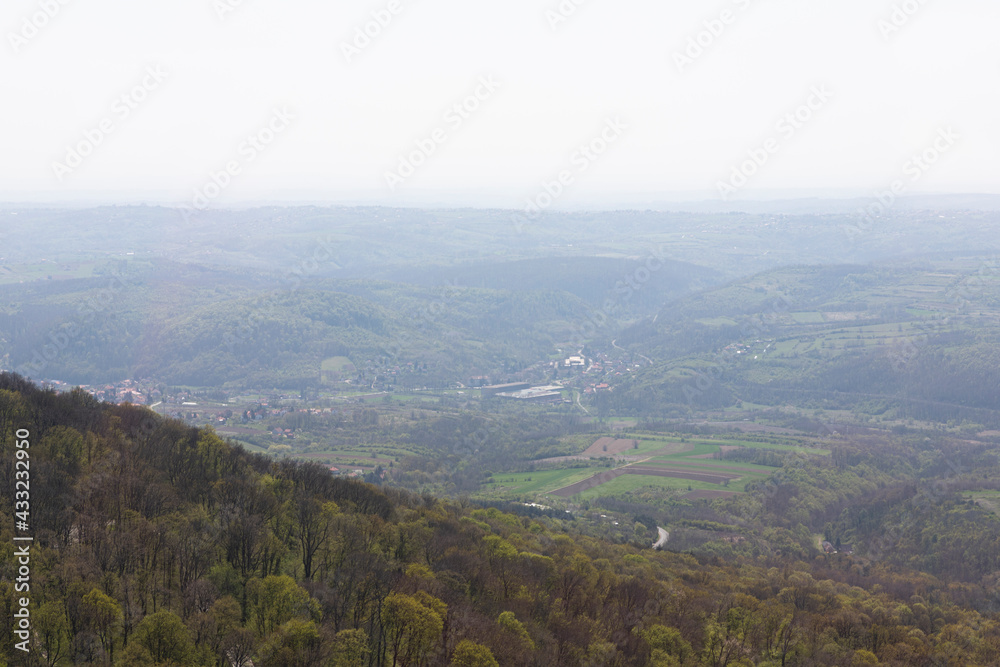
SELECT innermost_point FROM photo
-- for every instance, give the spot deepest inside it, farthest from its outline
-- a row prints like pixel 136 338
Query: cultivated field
pixel 610 446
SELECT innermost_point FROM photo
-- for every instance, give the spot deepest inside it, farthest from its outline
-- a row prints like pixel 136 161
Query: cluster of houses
pixel 357 473
pixel 136 392
pixel 378 375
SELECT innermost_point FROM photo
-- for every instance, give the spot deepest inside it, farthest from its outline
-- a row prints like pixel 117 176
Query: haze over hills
pixel 510 334
pixel 184 282
pixel 800 410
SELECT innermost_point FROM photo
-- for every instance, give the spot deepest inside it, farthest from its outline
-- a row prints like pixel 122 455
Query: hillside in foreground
pixel 161 544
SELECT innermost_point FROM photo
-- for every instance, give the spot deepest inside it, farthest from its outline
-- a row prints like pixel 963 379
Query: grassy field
pixel 708 464
pixel 250 447
pixel 534 482
pixel 988 500
pixel 652 445
pixel 648 444
pixel 692 448
pixel 630 483
pixel 654 449
pixel 749 444
pixel 683 458
pixel 336 368
pixel 45 270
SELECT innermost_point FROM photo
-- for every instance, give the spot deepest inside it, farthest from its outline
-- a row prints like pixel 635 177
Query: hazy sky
pixel 201 76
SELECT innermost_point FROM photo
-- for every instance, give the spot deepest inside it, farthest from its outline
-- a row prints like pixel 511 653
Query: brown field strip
pixel 608 447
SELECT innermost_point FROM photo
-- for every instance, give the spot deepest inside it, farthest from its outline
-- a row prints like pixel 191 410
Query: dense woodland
pixel 161 544
pixel 201 327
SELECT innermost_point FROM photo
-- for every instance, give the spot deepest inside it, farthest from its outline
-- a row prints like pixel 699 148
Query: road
pixel 664 536
pixel 615 345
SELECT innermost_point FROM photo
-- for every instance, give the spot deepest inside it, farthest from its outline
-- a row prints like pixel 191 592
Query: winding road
pixel 615 345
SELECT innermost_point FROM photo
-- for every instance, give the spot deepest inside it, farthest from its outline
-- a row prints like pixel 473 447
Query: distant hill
pixel 196 326
pixel 888 340
pixel 647 281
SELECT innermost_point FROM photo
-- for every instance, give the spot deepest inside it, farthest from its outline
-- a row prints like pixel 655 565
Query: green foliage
pixel 296 643
pixel 508 621
pixel 105 616
pixel 350 648
pixel 471 654
pixel 667 644
pixel 53 631
pixel 180 549
pixel 164 637
pixel 275 600
pixel 413 624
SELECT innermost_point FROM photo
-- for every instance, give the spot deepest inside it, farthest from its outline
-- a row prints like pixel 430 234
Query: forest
pixel 156 543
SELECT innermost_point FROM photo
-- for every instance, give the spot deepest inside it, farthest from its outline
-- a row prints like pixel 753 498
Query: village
pixel 542 382
pixel 258 417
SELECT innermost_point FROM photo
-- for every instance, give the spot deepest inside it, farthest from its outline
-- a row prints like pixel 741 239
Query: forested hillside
pixel 161 544
pixel 190 325
pixel 907 340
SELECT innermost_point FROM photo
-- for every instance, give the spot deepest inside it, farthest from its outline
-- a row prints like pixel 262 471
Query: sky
pixel 214 103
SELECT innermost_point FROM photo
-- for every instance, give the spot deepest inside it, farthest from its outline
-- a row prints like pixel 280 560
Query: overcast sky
pixel 610 75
